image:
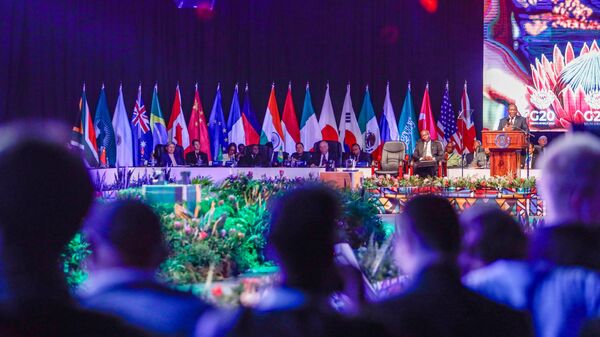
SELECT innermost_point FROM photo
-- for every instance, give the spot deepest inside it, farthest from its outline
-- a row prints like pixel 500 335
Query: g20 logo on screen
pixel 593 100
pixel 542 100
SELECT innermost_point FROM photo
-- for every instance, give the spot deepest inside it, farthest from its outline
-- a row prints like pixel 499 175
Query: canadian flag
pixel 466 127
pixel 178 131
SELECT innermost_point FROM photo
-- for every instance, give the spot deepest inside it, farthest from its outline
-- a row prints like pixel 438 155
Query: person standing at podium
pixel 514 122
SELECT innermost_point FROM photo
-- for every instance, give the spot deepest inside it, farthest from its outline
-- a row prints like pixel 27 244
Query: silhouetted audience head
pixel 490 234
pixel 427 232
pixel 303 223
pixel 570 183
pixel 46 192
pixel 125 233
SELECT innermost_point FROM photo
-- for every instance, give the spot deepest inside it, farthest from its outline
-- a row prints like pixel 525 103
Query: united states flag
pixel 446 125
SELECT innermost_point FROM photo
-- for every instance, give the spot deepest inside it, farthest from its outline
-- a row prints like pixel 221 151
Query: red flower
pixel 217 291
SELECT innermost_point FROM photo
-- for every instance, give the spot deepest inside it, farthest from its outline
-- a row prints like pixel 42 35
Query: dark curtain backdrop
pixel 49 47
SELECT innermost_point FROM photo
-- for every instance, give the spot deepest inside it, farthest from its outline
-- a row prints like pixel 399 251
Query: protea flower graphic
pixel 569 83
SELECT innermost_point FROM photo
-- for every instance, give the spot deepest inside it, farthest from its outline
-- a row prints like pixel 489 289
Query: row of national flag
pixel 131 142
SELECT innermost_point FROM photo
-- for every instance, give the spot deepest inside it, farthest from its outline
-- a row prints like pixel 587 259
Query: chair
pixel 335 148
pixel 392 159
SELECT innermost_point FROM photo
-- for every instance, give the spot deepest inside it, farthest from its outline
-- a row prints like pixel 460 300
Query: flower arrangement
pixel 225 234
pixel 470 183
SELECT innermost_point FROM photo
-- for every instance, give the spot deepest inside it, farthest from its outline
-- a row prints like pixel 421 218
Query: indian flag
pixel 271 128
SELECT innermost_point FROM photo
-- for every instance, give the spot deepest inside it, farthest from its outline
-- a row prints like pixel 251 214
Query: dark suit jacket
pixel 520 123
pixel 251 160
pixel 362 157
pixel 53 318
pixel 567 245
pixel 166 161
pixel 439 305
pixel 310 319
pixel 150 306
pixel 316 158
pixel 304 157
pixel 437 152
pixel 192 158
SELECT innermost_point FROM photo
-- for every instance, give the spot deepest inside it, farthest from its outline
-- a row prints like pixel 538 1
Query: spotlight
pixel 205 4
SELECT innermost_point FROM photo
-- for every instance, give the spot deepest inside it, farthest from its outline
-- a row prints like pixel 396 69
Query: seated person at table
pixel 357 155
pixel 170 157
pixel 428 153
pixel 300 155
pixel 253 159
pixel 479 157
pixel 196 157
pixel 241 150
pixel 231 154
pixel 452 158
pixel 513 122
pixel 323 156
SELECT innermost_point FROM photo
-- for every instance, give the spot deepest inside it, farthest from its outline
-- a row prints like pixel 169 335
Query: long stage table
pixel 109 176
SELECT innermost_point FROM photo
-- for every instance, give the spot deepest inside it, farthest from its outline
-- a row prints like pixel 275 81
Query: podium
pixel 505 151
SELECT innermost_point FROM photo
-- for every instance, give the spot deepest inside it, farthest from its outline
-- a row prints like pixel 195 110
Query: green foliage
pixel 225 234
pixel 73 259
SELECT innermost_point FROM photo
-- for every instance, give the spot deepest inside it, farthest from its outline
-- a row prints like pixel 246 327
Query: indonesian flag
pixel 426 121
pixel 198 127
pixel 327 120
pixel 466 128
pixel 349 129
pixel 177 130
pixel 289 123
pixel 271 129
pixel 368 126
pixel 310 131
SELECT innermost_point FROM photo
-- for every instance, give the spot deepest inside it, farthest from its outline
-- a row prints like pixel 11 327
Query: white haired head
pixel 570 183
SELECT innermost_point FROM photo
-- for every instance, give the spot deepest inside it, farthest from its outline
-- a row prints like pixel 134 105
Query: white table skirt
pixel 109 175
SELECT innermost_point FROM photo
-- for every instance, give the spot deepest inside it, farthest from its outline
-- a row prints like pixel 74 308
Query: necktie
pixel 322 160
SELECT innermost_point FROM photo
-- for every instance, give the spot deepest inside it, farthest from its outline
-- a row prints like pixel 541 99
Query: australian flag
pixel 141 132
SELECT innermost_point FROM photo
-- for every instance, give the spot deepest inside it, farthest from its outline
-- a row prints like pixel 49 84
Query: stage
pixel 107 178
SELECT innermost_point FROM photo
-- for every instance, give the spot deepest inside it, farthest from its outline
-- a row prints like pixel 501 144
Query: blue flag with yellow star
pixel 217 128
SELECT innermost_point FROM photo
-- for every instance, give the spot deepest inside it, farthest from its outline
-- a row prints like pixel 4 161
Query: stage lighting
pixel 206 4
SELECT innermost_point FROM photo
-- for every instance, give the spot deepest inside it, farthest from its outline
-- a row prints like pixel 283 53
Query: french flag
pixel 235 124
pixel 387 123
pixel 251 126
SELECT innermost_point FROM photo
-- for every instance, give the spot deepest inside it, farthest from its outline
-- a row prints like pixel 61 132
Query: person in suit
pixel 322 157
pixel 302 241
pixel 427 155
pixel 170 157
pixel 435 302
pixel 196 157
pixel 478 158
pixel 300 155
pixel 34 231
pixel 253 159
pixel 127 247
pixel 513 121
pixel 538 150
pixel 241 151
pixel 357 155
